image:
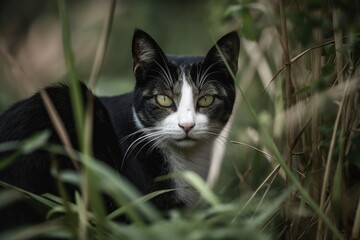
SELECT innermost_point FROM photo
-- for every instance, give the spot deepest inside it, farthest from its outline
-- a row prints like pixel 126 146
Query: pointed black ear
pixel 226 49
pixel 145 51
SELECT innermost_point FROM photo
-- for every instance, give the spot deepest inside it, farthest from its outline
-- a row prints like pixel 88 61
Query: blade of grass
pixel 98 61
pixel 9 197
pixel 328 171
pixel 102 46
pixel 355 233
pixel 337 188
pixel 55 169
pixel 29 145
pixel 197 183
pixel 72 79
pixel 33 232
pixel 31 196
pixel 94 75
pixel 79 118
pixel 82 216
pixel 59 127
pixel 288 103
pixel 122 210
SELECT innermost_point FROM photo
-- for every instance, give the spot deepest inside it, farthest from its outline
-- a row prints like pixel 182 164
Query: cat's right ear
pixel 145 52
pixel 226 50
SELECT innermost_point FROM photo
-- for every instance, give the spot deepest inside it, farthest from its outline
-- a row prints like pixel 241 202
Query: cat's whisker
pixel 122 140
pixel 214 136
pixel 146 137
pixel 204 74
pixel 138 141
pixel 143 130
pixel 158 142
pixel 165 73
pixel 162 77
pixel 147 143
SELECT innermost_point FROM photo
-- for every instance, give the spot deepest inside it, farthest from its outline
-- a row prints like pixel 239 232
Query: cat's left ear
pixel 145 52
pixel 226 50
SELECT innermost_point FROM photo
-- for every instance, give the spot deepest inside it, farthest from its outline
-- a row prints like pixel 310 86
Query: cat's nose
pixel 187 126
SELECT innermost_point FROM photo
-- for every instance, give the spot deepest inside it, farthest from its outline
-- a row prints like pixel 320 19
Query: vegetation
pixel 291 165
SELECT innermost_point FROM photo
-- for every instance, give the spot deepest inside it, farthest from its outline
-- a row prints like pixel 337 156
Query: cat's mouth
pixel 186 139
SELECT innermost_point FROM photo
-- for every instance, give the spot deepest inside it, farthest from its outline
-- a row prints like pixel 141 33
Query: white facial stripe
pixel 185 122
pixel 186 109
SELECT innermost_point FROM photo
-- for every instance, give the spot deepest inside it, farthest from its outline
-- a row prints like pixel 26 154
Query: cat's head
pixel 183 100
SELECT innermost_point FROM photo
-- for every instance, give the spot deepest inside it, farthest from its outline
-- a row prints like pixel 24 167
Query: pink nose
pixel 186 126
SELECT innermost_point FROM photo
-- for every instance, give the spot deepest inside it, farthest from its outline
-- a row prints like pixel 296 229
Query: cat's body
pixel 167 124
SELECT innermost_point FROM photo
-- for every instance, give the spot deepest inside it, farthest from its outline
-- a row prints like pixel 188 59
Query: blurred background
pixel 30 35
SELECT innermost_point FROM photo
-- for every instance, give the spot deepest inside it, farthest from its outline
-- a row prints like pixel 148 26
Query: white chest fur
pixel 196 160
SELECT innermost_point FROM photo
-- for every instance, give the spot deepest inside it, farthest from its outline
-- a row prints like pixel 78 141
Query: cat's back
pixel 120 110
pixel 29 115
pixel 31 171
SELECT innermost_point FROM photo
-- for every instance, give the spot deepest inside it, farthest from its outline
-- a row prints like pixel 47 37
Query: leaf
pixel 9 197
pixel 122 210
pixel 26 146
pixel 31 196
pixel 35 142
pixel 119 188
pixel 51 229
pixel 302 90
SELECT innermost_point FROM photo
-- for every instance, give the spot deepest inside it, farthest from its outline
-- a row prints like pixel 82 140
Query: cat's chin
pixel 184 143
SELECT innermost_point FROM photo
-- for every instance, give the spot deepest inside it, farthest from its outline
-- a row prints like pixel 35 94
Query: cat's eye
pixel 206 101
pixel 164 100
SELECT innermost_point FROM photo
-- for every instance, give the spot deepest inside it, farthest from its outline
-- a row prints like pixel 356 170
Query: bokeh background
pixel 31 35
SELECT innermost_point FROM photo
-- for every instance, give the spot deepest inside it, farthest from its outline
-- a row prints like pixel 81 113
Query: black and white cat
pixel 167 124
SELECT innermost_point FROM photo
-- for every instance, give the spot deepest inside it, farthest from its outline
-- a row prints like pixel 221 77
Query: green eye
pixel 206 101
pixel 164 100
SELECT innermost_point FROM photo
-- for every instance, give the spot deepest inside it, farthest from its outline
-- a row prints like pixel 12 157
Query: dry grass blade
pixel 355 233
pixel 329 160
pixel 255 148
pixel 296 58
pixel 270 176
pixel 288 103
pixel 95 71
pixel 103 43
pixel 59 127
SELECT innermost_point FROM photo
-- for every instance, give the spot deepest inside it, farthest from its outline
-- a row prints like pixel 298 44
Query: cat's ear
pixel 226 50
pixel 145 51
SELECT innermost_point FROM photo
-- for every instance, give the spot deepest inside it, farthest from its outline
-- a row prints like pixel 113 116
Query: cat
pixel 167 124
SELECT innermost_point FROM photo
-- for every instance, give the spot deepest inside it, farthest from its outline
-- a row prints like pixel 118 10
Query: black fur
pixel 32 172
